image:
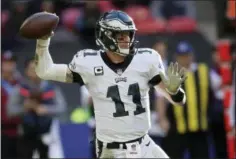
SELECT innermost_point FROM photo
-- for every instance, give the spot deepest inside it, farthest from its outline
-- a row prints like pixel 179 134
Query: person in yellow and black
pixel 187 126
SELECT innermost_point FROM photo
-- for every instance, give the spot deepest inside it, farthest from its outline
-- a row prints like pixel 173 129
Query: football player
pixel 118 77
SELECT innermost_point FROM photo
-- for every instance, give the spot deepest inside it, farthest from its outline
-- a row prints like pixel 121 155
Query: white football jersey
pixel 119 91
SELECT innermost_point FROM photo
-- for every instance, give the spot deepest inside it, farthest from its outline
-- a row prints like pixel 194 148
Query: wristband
pixel 179 96
pixel 43 43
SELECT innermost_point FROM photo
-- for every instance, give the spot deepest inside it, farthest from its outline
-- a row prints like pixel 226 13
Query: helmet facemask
pixel 107 32
pixel 119 41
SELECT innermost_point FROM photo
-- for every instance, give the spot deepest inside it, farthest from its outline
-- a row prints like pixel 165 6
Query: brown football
pixel 39 25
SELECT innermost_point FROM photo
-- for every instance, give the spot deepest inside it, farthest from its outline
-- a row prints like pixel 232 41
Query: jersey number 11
pixel 113 93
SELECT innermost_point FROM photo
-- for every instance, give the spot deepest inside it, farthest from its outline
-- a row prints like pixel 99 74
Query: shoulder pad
pixel 145 51
pixel 86 52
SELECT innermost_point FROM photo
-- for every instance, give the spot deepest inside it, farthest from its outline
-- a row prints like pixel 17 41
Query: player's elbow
pixel 54 72
pixel 45 73
pixel 42 76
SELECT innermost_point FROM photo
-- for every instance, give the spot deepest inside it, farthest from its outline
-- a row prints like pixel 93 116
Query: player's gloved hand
pixel 47 36
pixel 44 41
pixel 174 78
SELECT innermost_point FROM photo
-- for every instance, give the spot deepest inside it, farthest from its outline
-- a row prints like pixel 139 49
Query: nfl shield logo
pixel 133 147
pixel 119 72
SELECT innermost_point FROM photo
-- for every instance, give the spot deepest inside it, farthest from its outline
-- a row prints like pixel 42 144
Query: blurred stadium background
pixel 209 26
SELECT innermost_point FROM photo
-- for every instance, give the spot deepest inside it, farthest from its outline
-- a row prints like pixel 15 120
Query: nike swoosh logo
pixel 148 143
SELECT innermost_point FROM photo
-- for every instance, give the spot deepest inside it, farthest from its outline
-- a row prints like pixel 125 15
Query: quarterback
pixel 118 77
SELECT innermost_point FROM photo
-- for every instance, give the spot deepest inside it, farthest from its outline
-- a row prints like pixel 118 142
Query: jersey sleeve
pixel 155 69
pixel 76 67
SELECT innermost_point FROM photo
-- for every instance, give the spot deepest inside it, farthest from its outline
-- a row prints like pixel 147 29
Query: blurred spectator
pixel 60 5
pixel 48 6
pixel 35 6
pixel 18 12
pixel 86 101
pixel 38 102
pixel 232 109
pixel 215 60
pixel 170 8
pixel 69 18
pixel 217 123
pixel 86 104
pixel 9 72
pixel 156 132
pixel 15 12
pixel 9 125
pixel 9 129
pixel 189 124
pixel 233 55
pixel 85 25
pixel 67 10
pixel 161 48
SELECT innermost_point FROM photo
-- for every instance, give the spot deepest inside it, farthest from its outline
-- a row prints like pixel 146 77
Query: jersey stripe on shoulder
pixel 145 51
pixel 90 52
pixel 87 52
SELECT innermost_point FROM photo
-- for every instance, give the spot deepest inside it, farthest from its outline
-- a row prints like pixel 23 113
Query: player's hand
pixel 47 36
pixel 174 77
pixel 43 41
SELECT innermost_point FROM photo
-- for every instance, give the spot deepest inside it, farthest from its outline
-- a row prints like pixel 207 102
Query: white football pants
pixel 147 149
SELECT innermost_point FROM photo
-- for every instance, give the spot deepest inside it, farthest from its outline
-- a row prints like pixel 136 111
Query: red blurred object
pixel 227 97
pixel 106 6
pixel 151 26
pixel 226 75
pixel 138 13
pixel 144 21
pixel 231 146
pixel 181 25
pixel 4 18
pixel 9 124
pixel 223 48
pixel 69 17
pixel 230 139
pixel 227 121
